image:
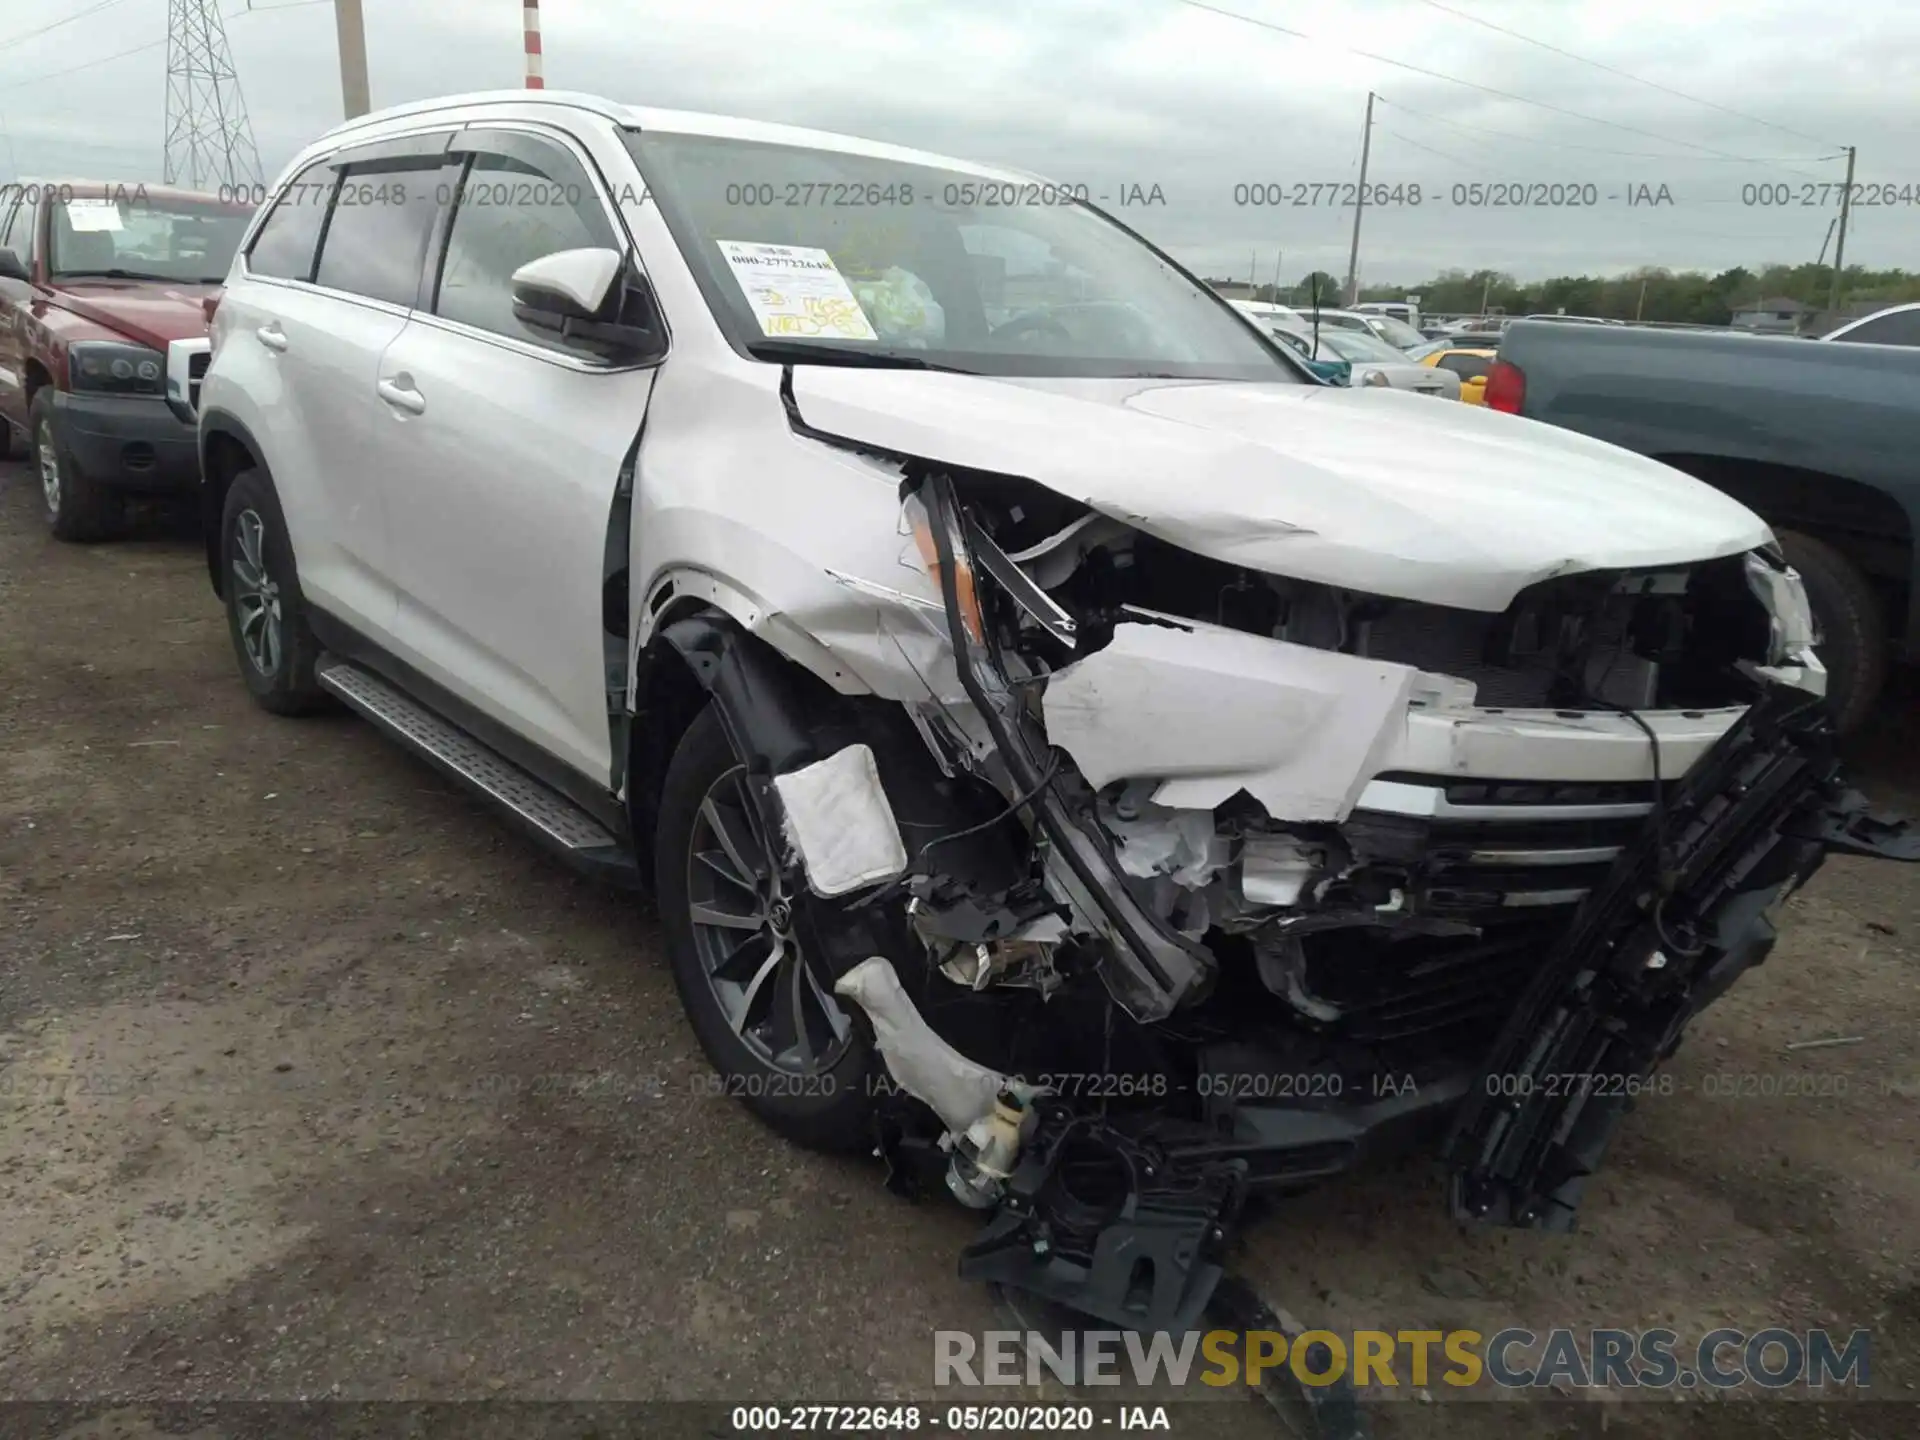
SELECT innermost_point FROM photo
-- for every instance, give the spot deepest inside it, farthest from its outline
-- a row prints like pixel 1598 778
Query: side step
pixel 551 817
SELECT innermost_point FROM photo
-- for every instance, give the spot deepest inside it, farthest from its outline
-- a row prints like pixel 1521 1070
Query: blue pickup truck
pixel 1821 440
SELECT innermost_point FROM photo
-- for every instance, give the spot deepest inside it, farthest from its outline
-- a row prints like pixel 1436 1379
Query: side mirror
pixel 11 267
pixel 594 296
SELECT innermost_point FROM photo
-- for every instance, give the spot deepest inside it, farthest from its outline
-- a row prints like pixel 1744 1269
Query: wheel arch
pixel 226 448
pixel 697 653
pixel 1867 526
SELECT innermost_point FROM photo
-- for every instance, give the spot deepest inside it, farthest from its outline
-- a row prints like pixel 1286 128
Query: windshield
pixel 1352 345
pixel 855 259
pixel 146 237
pixel 1397 332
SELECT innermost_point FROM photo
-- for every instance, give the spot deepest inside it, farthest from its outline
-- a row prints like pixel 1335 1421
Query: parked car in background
pixel 1896 325
pixel 1397 334
pixel 1468 366
pixel 1818 439
pixel 1375 363
pixel 1194 729
pixel 1325 365
pixel 1294 332
pixel 1268 313
pixel 1405 312
pixel 103 333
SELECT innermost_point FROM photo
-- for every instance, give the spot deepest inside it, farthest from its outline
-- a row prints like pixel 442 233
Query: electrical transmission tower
pixel 209 139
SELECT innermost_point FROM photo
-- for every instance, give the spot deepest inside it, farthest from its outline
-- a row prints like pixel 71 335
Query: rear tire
pixel 79 510
pixel 1853 631
pixel 266 613
pixel 827 1108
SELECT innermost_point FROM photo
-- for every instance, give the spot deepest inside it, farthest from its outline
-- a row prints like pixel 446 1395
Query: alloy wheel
pixel 256 597
pixel 745 936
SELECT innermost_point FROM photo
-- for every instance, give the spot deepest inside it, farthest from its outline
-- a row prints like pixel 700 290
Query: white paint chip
pixel 838 819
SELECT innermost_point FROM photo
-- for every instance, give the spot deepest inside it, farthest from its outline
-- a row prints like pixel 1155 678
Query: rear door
pixel 507 445
pixel 329 282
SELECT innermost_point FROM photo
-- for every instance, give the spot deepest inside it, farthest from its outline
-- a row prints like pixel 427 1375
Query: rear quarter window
pixel 288 241
pixel 1467 367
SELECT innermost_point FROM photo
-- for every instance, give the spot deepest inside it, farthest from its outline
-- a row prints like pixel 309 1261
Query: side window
pixel 1467 367
pixel 284 248
pixel 376 236
pixel 18 235
pixel 1901 329
pixel 521 197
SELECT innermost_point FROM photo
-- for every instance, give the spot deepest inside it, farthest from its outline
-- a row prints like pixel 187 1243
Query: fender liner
pixel 761 706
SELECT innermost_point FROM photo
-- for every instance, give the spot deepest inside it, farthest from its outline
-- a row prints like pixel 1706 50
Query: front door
pixel 508 445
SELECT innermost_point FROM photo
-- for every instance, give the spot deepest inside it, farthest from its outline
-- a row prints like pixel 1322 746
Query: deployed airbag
pixel 839 821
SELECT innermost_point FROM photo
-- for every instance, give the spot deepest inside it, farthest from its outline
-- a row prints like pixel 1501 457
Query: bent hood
pixel 1381 491
pixel 150 312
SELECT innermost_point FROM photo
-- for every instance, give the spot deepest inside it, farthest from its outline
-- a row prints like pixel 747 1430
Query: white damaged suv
pixel 1073 751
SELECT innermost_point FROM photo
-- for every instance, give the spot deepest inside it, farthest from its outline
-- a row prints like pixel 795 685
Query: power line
pixel 1479 168
pixel 1456 80
pixel 87 65
pixel 80 15
pixel 151 44
pixel 1470 164
pixel 1623 74
pixel 1599 150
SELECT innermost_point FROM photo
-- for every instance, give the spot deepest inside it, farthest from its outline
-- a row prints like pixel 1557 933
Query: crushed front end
pixel 1261 877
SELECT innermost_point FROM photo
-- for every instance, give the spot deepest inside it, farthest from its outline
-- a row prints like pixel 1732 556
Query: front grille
pixel 196 373
pixel 1513 859
pixel 1430 994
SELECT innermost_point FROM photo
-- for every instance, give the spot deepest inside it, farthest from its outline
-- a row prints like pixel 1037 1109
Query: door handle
pixel 402 396
pixel 272 336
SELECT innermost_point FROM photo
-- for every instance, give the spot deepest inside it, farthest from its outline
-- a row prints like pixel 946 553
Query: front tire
pixel 79 510
pixel 266 613
pixel 1853 631
pixel 761 1003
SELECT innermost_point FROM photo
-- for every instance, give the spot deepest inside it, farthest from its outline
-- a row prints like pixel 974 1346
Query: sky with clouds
pixel 1166 93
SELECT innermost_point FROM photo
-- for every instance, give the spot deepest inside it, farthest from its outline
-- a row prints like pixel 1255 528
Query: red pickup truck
pixel 103 335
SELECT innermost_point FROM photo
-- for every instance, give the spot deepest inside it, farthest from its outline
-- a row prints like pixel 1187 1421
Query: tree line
pixel 1651 293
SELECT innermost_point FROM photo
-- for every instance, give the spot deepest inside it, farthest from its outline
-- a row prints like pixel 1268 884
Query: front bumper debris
pixel 1110 1224
pixel 1624 905
pixel 1678 920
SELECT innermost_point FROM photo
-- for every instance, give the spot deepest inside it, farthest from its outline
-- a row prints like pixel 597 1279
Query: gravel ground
pixel 319 1082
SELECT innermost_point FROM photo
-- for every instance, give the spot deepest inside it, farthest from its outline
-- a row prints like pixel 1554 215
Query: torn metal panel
pixel 838 820
pixel 1211 712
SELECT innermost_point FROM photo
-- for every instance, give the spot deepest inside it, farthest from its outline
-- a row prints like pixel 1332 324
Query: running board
pixel 552 819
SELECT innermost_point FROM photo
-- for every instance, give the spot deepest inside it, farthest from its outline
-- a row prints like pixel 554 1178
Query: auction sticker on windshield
pixel 84 215
pixel 796 290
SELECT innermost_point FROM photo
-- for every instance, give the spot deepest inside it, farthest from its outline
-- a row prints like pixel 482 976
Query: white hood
pixel 1373 490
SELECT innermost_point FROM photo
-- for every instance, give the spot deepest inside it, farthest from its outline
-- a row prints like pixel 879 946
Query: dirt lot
pixel 315 1081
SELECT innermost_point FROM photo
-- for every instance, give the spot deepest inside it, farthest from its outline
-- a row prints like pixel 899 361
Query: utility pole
pixel 1827 240
pixel 209 139
pixel 1840 247
pixel 1640 305
pixel 351 26
pixel 1359 208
